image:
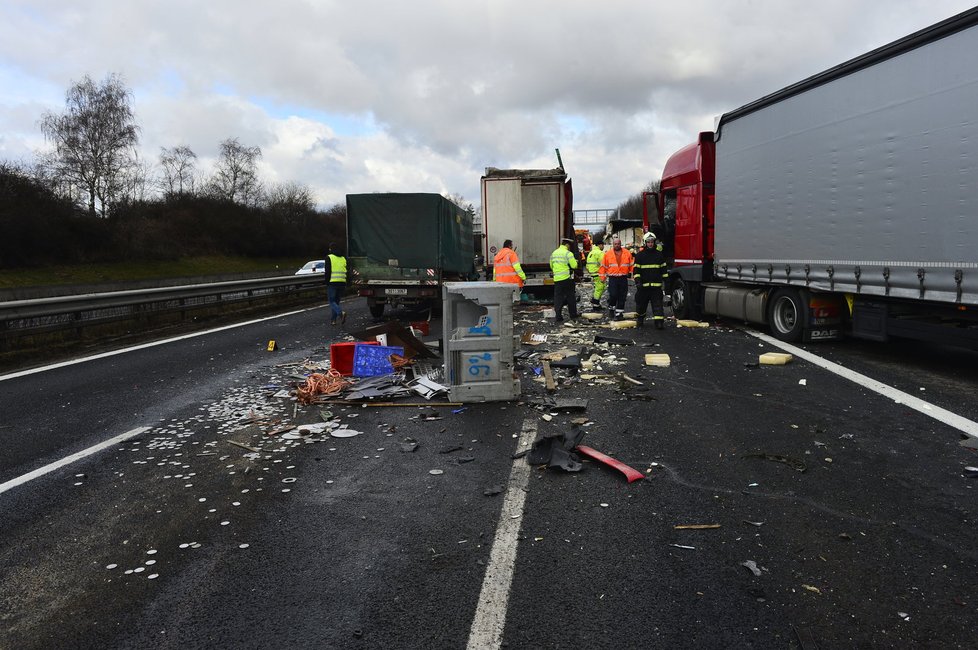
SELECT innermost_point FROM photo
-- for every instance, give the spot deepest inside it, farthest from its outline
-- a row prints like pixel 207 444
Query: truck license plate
pixel 395 292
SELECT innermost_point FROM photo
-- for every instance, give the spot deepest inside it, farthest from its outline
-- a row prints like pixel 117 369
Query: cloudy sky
pixel 367 95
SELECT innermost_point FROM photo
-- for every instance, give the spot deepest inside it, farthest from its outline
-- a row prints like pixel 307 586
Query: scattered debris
pixel 691 548
pixel 343 432
pixel 409 446
pixel 659 359
pixel 623 324
pixel 814 590
pixel 774 359
pixel 630 474
pixel 461 460
pixel 971 471
pixel 428 388
pixel 969 442
pixel 612 340
pixel 905 616
pixel 253 450
pixel 450 449
pixel 329 383
pixel 696 526
pixel 630 380
pixel 555 451
pixel 531 338
pixel 793 463
pixel 752 567
pixel 551 386
pixel 802 382
pixel 691 323
pixel 754 523
pixel 436 472
pixel 493 491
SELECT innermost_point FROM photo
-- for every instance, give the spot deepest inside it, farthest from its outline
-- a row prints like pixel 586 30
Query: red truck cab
pixel 685 219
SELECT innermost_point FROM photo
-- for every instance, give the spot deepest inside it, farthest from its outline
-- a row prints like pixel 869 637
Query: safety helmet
pixel 649 236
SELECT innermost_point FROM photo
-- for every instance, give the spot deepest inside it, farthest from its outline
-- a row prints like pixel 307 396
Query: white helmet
pixel 649 236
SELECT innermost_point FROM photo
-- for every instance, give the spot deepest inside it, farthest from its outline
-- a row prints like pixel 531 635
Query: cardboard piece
pixel 397 335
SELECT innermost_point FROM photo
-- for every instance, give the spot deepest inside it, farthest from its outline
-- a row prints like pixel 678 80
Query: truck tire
pixel 376 308
pixel 787 314
pixel 684 297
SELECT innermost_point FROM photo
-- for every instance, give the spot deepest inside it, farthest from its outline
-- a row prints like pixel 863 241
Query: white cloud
pixel 421 96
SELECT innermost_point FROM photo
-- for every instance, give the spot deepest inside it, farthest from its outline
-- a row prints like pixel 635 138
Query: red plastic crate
pixel 341 356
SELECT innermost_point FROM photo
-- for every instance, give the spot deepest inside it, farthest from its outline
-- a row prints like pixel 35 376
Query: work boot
pixel 342 317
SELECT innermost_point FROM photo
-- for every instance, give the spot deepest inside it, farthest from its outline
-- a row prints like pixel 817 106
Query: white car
pixel 312 266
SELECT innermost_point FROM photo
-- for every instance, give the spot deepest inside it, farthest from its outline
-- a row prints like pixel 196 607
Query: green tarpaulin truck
pixel 402 247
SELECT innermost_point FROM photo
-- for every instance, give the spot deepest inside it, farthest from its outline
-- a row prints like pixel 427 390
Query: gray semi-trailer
pixel 847 200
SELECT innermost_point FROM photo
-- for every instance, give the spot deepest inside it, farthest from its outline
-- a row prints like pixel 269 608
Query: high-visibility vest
pixel 561 263
pixel 337 268
pixel 506 267
pixel 594 261
pixel 650 265
pixel 611 266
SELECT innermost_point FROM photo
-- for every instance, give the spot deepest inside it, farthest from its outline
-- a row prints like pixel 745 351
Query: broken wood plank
pixel 696 526
pixel 549 376
pixel 244 446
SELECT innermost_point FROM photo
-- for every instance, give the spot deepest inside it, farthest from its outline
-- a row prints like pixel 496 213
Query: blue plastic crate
pixel 373 360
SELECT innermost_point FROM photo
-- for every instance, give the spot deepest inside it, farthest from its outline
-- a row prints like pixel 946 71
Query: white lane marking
pixel 962 424
pixel 490 614
pixel 143 346
pixel 68 460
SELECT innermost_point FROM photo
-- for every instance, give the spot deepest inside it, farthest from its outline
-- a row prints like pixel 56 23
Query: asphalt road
pixel 349 543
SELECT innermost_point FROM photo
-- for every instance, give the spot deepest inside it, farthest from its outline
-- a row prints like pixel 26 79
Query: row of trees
pixel 90 197
pixel 40 228
pixel 94 157
pixel 631 208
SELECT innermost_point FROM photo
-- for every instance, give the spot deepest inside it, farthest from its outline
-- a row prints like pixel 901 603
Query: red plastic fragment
pixel 630 474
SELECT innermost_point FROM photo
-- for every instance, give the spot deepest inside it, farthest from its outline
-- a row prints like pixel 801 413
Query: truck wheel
pixel 787 313
pixel 376 308
pixel 684 297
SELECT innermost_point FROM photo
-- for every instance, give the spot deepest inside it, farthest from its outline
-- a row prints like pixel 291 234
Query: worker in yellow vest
pixel 562 263
pixel 506 266
pixel 594 270
pixel 335 283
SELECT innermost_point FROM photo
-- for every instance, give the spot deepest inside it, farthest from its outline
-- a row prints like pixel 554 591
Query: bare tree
pixel 94 140
pixel 460 201
pixel 135 182
pixel 179 166
pixel 293 201
pixel 236 176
